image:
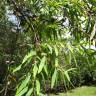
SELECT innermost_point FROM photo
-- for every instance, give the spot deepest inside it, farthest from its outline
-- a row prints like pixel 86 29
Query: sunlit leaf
pixel 93 32
pixel 42 63
pixel 17 69
pixel 54 77
pixel 38 87
pixel 71 69
pixel 56 62
pixel 29 55
pixel 45 69
pixel 35 70
pixel 56 50
pixel 29 93
pixel 23 84
pixel 22 92
pixel 67 75
pixel 50 48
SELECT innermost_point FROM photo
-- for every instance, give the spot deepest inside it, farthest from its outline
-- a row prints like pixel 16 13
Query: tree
pixel 51 55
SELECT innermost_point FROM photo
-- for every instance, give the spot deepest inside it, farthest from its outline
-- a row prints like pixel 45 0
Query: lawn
pixel 80 91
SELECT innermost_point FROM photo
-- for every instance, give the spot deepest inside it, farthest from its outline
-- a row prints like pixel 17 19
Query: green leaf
pixel 37 87
pixel 71 69
pixel 93 32
pixel 67 76
pixel 17 68
pixel 43 60
pixel 35 70
pixel 70 48
pixel 28 56
pixel 56 62
pixel 45 69
pixel 22 92
pixel 29 93
pixel 54 77
pixel 23 84
pixel 56 50
pixel 50 48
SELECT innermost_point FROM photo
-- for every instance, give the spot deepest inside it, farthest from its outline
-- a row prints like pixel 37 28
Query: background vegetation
pixel 45 44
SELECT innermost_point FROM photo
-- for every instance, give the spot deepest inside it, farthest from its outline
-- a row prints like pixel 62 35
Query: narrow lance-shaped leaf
pixel 71 69
pixel 22 92
pixel 54 77
pixel 56 50
pixel 28 56
pixel 93 32
pixel 17 68
pixel 23 84
pixel 45 69
pixel 50 48
pixel 67 76
pixel 35 70
pixel 43 60
pixel 38 87
pixel 29 93
pixel 56 62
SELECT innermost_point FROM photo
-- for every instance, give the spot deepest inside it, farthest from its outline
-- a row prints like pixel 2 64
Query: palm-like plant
pixel 44 25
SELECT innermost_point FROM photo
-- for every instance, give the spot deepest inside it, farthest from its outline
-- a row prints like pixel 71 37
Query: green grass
pixel 80 91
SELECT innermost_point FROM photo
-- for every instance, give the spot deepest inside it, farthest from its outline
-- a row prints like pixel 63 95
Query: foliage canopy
pixel 46 44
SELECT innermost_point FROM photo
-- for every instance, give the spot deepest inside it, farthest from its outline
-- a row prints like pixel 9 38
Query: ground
pixel 80 91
